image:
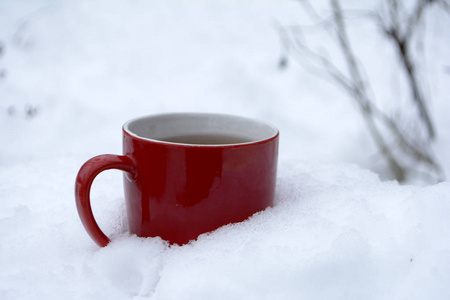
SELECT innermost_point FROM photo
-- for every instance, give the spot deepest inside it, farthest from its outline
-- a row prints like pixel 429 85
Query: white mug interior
pixel 161 127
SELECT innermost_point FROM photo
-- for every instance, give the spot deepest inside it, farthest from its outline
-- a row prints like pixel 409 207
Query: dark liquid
pixel 206 139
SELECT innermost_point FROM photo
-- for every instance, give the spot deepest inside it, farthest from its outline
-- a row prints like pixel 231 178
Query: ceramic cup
pixel 186 174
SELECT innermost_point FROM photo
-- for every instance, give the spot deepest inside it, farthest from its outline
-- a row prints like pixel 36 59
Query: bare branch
pixel 352 81
pixel 416 16
pixel 402 39
pixel 310 10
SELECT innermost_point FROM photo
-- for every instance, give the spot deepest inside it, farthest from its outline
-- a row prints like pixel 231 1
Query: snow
pixel 338 230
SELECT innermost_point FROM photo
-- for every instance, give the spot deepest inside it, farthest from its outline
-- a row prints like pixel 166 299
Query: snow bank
pixel 336 232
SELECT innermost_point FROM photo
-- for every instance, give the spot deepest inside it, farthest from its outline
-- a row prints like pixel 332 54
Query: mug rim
pixel 126 129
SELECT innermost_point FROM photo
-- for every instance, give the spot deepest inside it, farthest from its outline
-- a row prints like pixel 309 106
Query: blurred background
pixel 344 81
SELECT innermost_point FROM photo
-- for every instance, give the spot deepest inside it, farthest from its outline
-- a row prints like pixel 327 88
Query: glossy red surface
pixel 83 183
pixel 179 191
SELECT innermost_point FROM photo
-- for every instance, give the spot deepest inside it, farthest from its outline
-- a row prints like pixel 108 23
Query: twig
pixel 357 88
pixel 402 38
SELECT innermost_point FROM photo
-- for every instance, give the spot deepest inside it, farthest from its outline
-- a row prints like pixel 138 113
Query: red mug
pixel 187 174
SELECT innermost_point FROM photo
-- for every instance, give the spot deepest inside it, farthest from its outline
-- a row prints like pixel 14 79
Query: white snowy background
pixel 75 71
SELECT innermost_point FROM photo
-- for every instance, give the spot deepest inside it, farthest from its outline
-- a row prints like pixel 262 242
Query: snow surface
pixel 337 230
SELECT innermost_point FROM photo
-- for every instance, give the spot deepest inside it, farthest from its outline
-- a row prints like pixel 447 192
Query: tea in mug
pixel 206 139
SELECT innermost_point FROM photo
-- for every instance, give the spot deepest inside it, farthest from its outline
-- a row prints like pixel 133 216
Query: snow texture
pixel 75 71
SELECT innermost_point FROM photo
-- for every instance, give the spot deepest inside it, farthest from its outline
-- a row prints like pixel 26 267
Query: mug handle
pixel 83 183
